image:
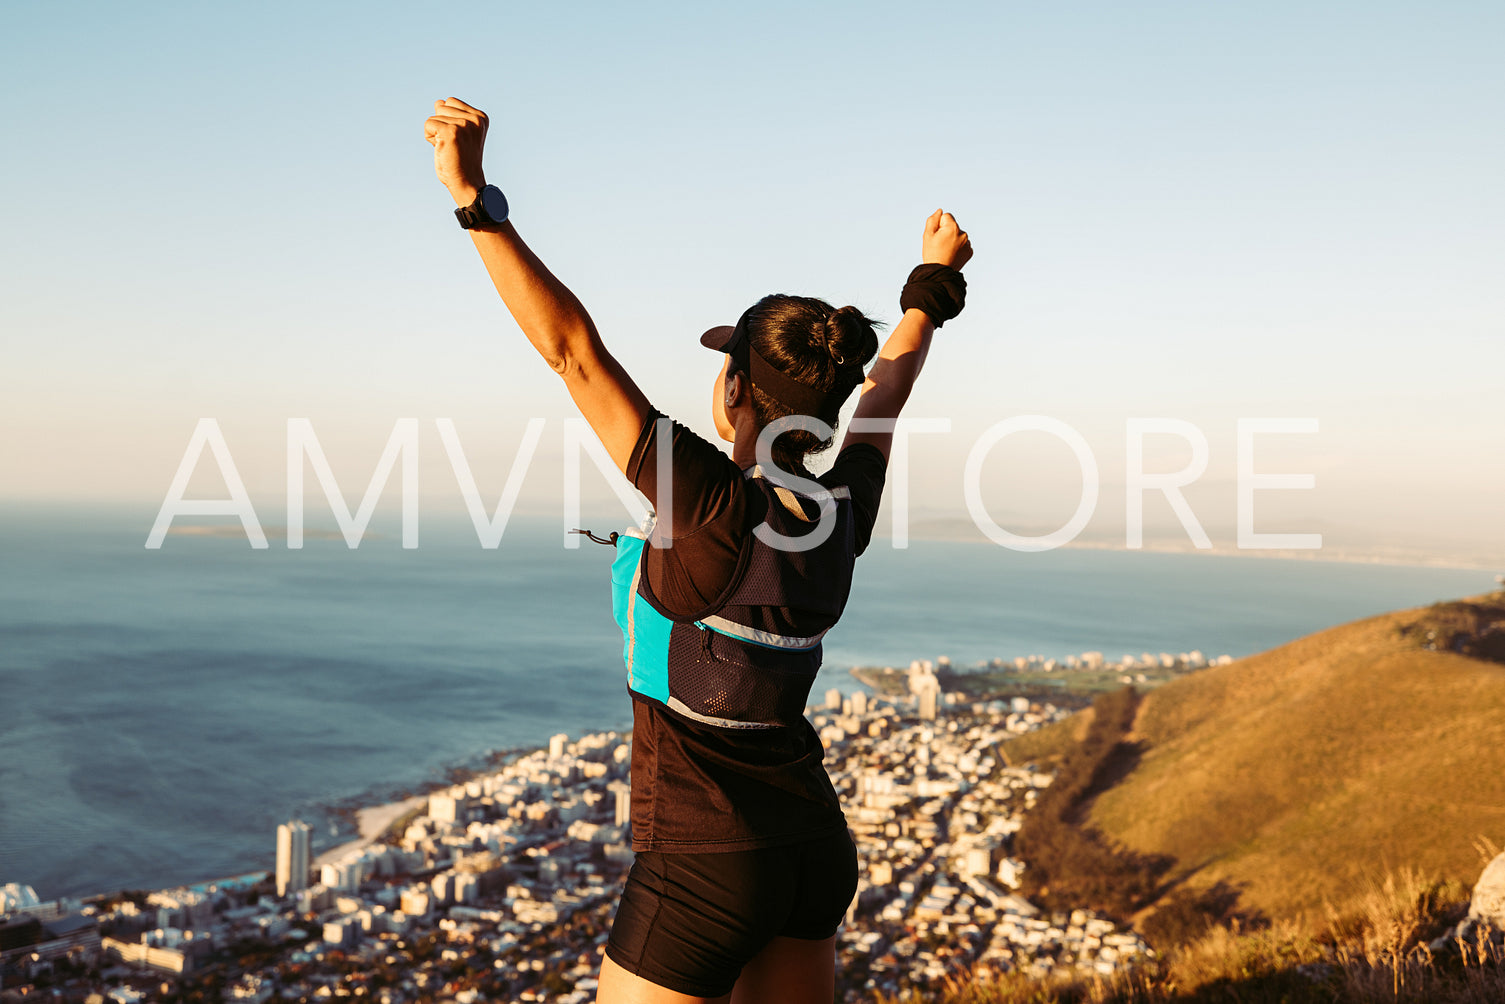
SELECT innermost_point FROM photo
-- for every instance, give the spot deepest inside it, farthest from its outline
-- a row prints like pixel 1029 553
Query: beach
pixel 372 821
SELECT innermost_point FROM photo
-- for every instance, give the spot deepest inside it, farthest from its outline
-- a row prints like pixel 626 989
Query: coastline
pixel 372 812
pixel 371 822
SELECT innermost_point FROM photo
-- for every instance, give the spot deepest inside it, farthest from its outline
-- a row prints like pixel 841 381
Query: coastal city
pixel 503 888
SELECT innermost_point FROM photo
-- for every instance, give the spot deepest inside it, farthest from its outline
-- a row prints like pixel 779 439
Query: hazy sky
pixel 1190 211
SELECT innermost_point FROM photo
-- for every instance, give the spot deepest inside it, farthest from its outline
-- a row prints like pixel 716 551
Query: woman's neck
pixel 745 447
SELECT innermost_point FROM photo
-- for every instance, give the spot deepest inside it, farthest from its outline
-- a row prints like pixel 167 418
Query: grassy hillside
pixel 1047 746
pixel 1348 787
pixel 1376 953
pixel 1299 775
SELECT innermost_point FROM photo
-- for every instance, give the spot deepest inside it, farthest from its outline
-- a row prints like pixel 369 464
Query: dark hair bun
pixel 850 339
pixel 810 342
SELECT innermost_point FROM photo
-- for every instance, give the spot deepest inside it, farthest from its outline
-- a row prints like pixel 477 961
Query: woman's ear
pixel 722 402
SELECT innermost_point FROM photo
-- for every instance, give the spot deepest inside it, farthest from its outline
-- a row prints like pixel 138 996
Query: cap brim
pixel 718 338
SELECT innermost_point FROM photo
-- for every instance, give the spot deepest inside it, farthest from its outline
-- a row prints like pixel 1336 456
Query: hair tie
pixel 825 339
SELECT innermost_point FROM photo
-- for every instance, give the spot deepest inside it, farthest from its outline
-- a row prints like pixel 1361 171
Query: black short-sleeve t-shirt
pixel 695 787
pixel 714 510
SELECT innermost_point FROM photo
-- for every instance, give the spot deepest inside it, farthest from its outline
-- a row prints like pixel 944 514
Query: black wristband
pixel 939 290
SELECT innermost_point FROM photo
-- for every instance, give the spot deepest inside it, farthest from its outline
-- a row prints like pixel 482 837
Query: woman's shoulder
pixel 858 462
pixel 861 469
pixel 690 456
pixel 706 516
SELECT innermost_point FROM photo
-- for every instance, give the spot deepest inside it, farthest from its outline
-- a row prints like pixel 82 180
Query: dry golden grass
pixel 1374 952
pixel 1298 774
pixel 1046 746
pixel 1350 784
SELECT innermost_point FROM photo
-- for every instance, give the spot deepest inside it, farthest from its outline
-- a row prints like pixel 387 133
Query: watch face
pixel 495 203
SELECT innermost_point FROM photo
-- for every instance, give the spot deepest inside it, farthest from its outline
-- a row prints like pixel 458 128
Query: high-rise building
pixel 859 702
pixel 556 745
pixel 467 888
pixel 623 814
pixel 443 886
pixel 292 857
pixel 928 698
pixel 833 700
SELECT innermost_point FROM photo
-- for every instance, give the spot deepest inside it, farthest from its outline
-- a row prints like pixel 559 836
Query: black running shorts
pixel 690 922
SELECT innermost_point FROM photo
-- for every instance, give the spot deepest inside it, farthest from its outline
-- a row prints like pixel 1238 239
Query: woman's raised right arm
pixel 552 318
pixel 893 376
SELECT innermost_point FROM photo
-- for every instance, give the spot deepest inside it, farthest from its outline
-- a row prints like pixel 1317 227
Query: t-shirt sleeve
pixel 863 469
pixel 707 513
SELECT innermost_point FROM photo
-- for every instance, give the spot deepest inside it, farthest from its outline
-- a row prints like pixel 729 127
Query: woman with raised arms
pixel 744 866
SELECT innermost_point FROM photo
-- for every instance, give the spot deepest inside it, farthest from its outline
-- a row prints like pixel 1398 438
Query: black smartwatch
pixel 489 208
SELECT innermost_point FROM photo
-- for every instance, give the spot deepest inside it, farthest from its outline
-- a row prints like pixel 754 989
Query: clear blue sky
pixel 1182 210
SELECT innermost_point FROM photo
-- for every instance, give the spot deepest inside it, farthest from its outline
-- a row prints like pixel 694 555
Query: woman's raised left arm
pixel 549 314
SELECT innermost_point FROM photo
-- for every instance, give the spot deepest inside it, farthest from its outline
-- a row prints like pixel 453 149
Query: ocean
pixel 161 711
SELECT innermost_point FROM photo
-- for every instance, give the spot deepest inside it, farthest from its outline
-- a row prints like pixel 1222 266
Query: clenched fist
pixel 944 243
pixel 458 134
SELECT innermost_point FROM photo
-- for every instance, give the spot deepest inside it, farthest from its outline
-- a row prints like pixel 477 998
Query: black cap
pixel 799 398
pixel 719 338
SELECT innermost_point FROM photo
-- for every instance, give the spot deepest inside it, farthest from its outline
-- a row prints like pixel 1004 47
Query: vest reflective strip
pixel 765 638
pixel 788 495
pixel 632 621
pixel 645 631
pixel 676 704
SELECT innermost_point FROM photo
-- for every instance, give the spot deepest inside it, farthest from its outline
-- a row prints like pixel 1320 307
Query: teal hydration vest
pixel 751 663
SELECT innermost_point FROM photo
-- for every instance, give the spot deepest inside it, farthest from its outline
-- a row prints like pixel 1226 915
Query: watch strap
pixel 471 216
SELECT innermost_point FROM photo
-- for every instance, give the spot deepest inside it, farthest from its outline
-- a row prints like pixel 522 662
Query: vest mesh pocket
pixel 722 677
